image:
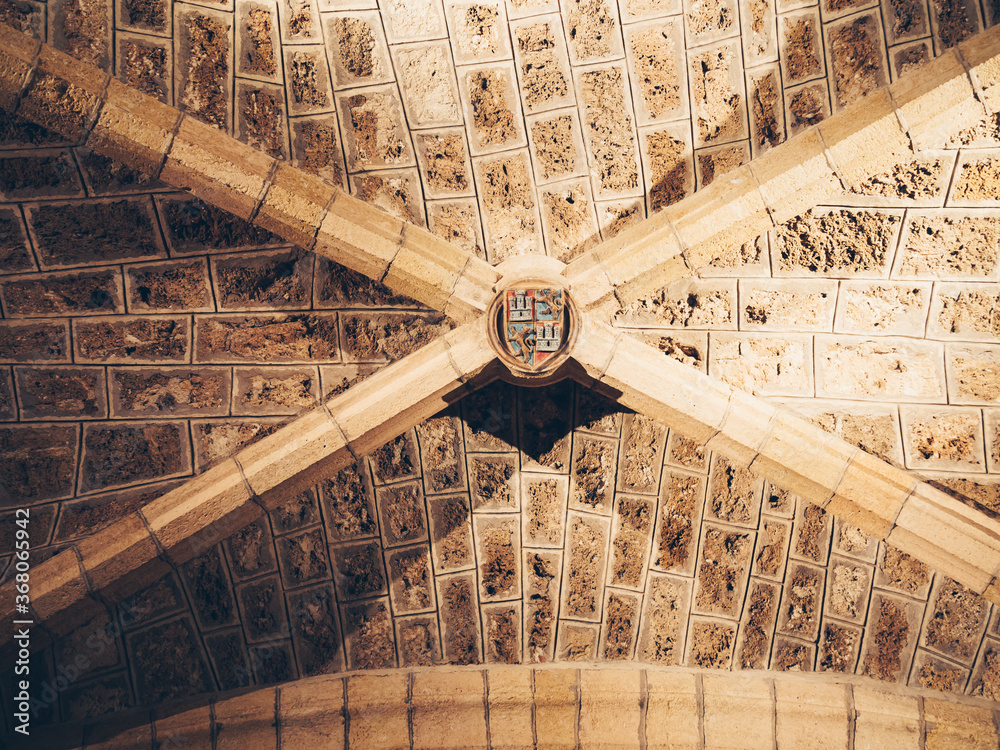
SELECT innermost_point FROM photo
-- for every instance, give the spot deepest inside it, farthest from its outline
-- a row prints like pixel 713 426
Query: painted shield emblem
pixel 534 325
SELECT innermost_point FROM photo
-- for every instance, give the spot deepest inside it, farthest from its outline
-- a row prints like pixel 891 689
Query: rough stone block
pixel 308 79
pixel 885 308
pixel 37 174
pixel 927 231
pixel 606 108
pixel 682 498
pixel 31 341
pixel 943 438
pixel 203 86
pixel 145 63
pixel 122 453
pixel 257 45
pixel 80 293
pixel 876 370
pixel 506 192
pixel 424 19
pixel 786 305
pixel 177 286
pixel 17 59
pixel 965 311
pixel 94 232
pixel 146 392
pixel 542 63
pixel 40 463
pixel 768 365
pixel 655 54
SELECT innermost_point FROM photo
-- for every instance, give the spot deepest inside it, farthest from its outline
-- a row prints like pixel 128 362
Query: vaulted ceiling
pixel 172 296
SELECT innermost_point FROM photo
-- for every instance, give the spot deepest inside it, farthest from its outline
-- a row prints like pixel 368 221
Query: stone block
pixel 443 159
pixel 32 341
pixel 248 718
pixel 193 727
pixel 611 707
pixel 359 236
pixel 423 20
pixel 203 84
pixel 62 95
pixel 17 59
pixel 786 305
pixel 848 42
pixel 964 311
pixel 478 32
pixel 682 499
pixel 260 118
pixel 715 161
pixel 937 103
pixel 201 160
pixel 943 438
pixel 619 629
pixel 951 725
pixel 377 709
pixel 80 293
pixel 257 44
pixel 61 393
pixel 806 105
pixel 800 44
pixel 673 700
pixel 865 139
pixel 813 716
pixel 35 174
pixel 288 338
pixel 509 706
pixel 972 233
pixel 557 701
pixel 498 543
pixel 146 392
pixel 122 453
pixel 133 128
pixel 795 178
pixel 871 494
pixel 506 191
pixel 886 308
pixel 577 641
pixel 145 63
pixel 449 709
pixel 802 602
pixel 851 541
pixel 606 108
pixel 177 286
pixel 593 32
pixel 541 61
pixel 316 148
pixel 307 79
pixel 368 635
pixel 878 370
pixel 377 133
pixel 667 164
pixel 884 719
pixel 94 232
pixel 502 632
pixel 722 571
pixel 750 698
pixel 762 364
pixel 122 559
pixel 655 54
pixel 586 555
pixel 419 641
pixel 312 713
pixel 199 514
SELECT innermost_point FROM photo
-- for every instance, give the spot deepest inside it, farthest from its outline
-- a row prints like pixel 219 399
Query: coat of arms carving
pixel 534 326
